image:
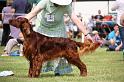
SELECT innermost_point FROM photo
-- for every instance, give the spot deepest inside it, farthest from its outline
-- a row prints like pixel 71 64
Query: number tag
pixel 50 17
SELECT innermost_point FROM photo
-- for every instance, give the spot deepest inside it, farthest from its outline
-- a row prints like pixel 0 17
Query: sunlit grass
pixel 102 66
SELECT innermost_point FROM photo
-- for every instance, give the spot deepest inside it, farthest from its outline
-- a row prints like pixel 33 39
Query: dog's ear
pixel 22 20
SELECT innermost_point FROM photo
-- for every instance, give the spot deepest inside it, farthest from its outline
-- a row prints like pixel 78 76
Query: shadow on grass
pixel 47 75
pixel 120 60
pixel 52 75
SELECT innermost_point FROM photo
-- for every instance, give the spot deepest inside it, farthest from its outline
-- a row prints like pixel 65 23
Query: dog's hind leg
pixel 75 60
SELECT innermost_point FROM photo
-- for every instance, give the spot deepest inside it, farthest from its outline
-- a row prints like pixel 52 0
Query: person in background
pixel 119 7
pixel 99 16
pixel 14 42
pixel 18 9
pixel 68 26
pixel 21 9
pixel 91 24
pixel 14 32
pixel 114 40
pixel 97 38
pixel 121 30
pixel 6 15
pixel 52 25
pixel 98 21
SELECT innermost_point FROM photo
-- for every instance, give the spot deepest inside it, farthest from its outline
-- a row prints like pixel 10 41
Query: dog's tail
pixel 87 46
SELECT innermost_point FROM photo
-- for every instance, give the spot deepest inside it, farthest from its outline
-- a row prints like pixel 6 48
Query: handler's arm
pixel 33 13
pixel 79 24
pixel 38 8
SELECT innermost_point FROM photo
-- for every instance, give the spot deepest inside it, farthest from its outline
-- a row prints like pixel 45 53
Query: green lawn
pixel 102 67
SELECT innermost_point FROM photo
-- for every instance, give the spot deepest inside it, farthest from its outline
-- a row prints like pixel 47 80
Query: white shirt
pixel 119 6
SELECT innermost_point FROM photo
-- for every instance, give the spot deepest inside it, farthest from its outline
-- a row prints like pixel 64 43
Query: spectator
pixel 114 40
pixel 68 25
pixel 98 21
pixel 121 30
pixel 18 10
pixel 6 15
pixel 97 38
pixel 99 16
pixel 13 42
pixel 52 25
pixel 119 6
pixel 14 32
pixel 91 24
pixel 21 9
pixel 75 31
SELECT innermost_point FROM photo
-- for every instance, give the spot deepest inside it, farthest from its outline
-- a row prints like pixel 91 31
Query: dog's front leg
pixel 35 66
pixel 30 68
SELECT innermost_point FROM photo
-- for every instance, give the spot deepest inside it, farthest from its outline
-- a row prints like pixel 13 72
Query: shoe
pixel 57 74
pixel 107 49
pixel 21 54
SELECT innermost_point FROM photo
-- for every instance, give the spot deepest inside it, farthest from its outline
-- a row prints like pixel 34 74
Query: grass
pixel 102 66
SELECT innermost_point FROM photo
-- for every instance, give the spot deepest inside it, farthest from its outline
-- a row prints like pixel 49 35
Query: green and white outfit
pixel 51 23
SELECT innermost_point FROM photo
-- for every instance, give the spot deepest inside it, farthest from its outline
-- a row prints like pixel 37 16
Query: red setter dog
pixel 39 48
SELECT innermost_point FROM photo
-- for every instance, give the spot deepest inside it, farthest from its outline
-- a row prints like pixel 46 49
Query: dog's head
pixel 89 46
pixel 21 23
pixel 17 22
